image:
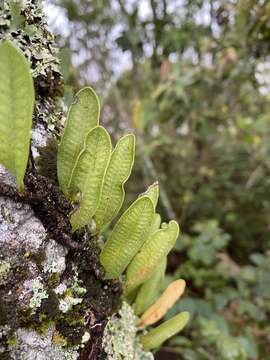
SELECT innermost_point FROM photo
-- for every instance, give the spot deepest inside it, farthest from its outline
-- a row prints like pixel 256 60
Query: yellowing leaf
pixel 118 171
pixel 127 237
pixel 89 173
pixel 153 251
pixel 16 110
pixel 165 331
pixel 149 290
pixel 83 116
pixel 164 303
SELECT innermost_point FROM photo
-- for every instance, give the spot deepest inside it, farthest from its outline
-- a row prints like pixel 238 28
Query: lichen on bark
pixel 121 340
pixel 54 301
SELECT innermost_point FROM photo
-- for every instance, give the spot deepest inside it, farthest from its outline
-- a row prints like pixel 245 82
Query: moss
pixel 71 329
pixel 10 288
pixel 12 340
pixel 25 318
pixel 4 270
pixel 38 257
pixel 6 310
pixel 91 300
pixel 59 339
pixel 50 305
pixel 47 161
pixel 44 323
pixel 54 280
pixel 6 356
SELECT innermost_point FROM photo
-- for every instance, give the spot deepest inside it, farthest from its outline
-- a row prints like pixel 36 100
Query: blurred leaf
pixel 16 110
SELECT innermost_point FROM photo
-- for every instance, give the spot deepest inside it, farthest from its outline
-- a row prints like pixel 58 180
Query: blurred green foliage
pixel 195 86
pixel 229 302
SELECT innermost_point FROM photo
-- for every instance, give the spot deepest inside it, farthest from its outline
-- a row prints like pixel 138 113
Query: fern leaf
pixel 89 173
pixel 153 193
pixel 127 237
pixel 168 298
pixel 118 171
pixel 154 226
pixel 16 110
pixel 83 116
pixel 165 331
pixel 151 254
pixel 149 290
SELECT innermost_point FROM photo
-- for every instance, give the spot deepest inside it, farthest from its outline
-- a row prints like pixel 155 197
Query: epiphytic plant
pixel 92 176
pixel 82 117
pixel 117 173
pixel 127 237
pixel 152 252
pixel 16 110
pixel 88 175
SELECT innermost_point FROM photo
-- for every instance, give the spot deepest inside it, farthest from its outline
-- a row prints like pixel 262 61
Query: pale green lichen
pixel 32 346
pixel 60 289
pixel 68 302
pixel 39 293
pixel 120 339
pixel 25 17
pixel 72 295
pixel 55 261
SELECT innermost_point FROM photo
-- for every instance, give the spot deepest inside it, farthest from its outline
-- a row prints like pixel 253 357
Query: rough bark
pixel 54 302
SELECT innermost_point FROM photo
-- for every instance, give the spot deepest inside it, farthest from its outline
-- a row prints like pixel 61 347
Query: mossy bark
pixel 54 300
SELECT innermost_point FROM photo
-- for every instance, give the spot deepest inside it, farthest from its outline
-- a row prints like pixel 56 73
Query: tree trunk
pixel 54 303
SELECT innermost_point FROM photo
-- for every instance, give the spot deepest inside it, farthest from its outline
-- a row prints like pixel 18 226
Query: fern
pixel 149 290
pixel 83 116
pixel 164 331
pixel 169 297
pixel 151 254
pixel 118 172
pixel 127 237
pixel 92 178
pixel 16 110
pixel 153 193
pixel 88 175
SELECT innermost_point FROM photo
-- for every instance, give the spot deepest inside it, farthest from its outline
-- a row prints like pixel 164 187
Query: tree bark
pixel 54 301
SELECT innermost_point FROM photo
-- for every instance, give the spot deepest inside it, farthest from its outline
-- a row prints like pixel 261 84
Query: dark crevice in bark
pixel 48 204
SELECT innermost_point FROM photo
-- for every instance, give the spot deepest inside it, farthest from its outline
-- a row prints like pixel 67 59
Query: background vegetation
pixel 192 78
